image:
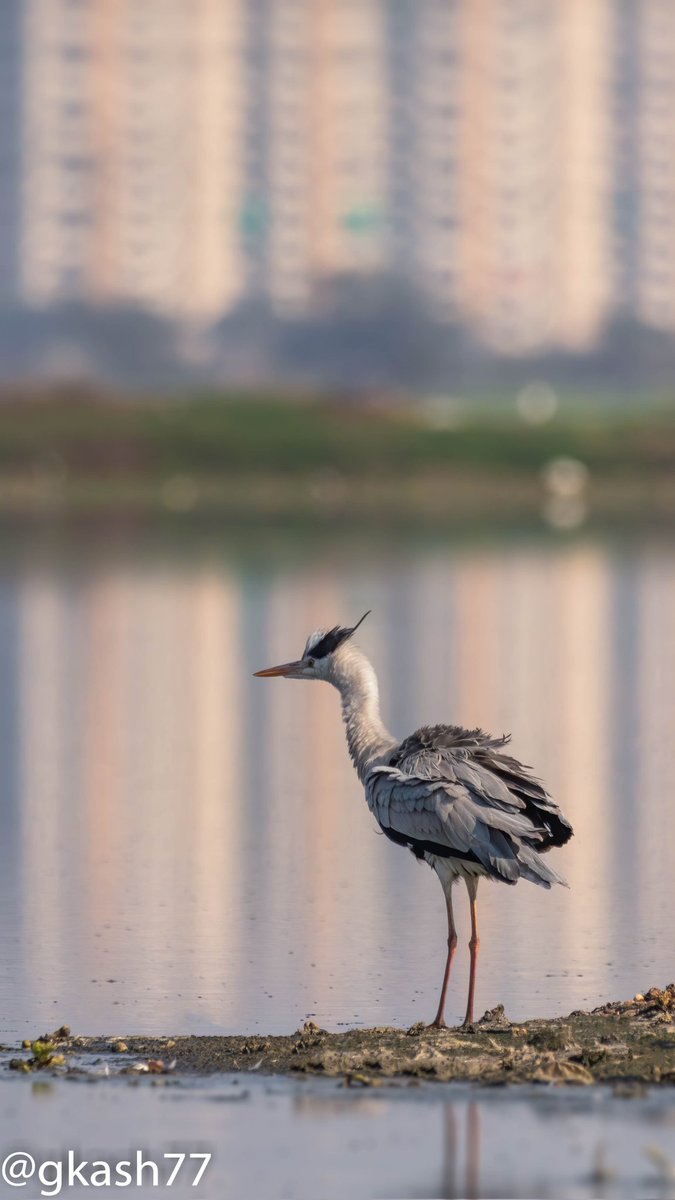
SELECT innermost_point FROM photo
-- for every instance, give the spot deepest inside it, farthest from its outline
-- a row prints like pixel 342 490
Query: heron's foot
pixel 438 1023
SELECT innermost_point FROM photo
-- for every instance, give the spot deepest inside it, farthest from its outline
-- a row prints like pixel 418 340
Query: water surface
pixel 320 1140
pixel 186 848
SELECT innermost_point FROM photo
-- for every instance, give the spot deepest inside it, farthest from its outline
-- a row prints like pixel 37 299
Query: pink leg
pixel 472 888
pixel 439 1020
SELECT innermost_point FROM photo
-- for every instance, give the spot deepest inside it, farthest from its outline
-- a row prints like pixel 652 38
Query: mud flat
pixel 625 1043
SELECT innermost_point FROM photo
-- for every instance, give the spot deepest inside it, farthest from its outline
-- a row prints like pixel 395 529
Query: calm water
pixel 186 848
pixel 323 1141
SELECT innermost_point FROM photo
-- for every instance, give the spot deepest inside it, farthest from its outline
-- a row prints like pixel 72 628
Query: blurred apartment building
pixel 511 159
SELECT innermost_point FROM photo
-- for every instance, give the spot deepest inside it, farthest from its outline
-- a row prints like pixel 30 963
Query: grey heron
pixel 451 795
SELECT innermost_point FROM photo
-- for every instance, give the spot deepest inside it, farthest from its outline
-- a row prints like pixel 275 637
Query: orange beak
pixel 284 669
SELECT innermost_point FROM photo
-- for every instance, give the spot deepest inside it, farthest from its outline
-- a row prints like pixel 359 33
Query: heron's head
pixel 319 656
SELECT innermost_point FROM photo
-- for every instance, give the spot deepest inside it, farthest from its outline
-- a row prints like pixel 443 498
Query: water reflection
pixel 186 847
pixel 458 1144
pixel 459 1178
pixel 322 1140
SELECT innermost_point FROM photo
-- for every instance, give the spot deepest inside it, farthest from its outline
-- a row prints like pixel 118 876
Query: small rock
pixel 494 1016
pixel 417 1029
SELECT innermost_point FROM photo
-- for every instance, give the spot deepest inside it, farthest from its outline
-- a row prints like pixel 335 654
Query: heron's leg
pixel 472 889
pixel 439 1019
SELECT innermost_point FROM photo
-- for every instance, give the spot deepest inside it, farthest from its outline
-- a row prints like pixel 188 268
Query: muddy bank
pixel 627 1043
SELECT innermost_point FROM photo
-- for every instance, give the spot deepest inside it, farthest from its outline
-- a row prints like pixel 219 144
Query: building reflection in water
pixel 199 838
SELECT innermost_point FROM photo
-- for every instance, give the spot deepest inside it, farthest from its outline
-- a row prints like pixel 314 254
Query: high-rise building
pixel 10 147
pixel 423 158
pixel 508 160
pixel 655 153
pixel 132 143
pixel 315 96
pixel 534 248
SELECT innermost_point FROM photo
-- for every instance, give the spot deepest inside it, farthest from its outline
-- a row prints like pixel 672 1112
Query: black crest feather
pixel 330 641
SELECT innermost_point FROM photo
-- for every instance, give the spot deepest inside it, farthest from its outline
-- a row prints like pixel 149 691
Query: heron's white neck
pixel 368 740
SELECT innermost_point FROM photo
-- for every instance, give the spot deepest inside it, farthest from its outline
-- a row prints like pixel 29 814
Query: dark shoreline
pixel 628 1044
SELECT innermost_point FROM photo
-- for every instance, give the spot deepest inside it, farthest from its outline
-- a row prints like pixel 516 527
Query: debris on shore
pixel 625 1043
pixel 45 1051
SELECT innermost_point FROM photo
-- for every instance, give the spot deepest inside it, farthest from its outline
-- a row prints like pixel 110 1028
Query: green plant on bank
pixel 44 1052
pixel 216 435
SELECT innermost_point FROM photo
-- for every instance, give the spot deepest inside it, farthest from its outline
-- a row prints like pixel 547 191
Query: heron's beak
pixel 285 669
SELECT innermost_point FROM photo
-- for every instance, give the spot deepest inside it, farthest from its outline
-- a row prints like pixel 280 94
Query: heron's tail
pixel 533 867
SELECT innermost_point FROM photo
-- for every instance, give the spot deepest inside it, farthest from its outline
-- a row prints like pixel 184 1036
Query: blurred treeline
pixel 367 333
pixel 94 433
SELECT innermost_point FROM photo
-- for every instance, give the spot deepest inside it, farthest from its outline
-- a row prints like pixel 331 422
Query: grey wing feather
pixel 440 794
pixel 454 753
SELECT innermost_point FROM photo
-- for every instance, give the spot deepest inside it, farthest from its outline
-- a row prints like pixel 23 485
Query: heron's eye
pixel 310 662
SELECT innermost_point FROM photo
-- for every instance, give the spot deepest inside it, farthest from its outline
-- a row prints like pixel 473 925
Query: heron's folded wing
pixel 450 815
pixel 442 764
pixel 469 757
